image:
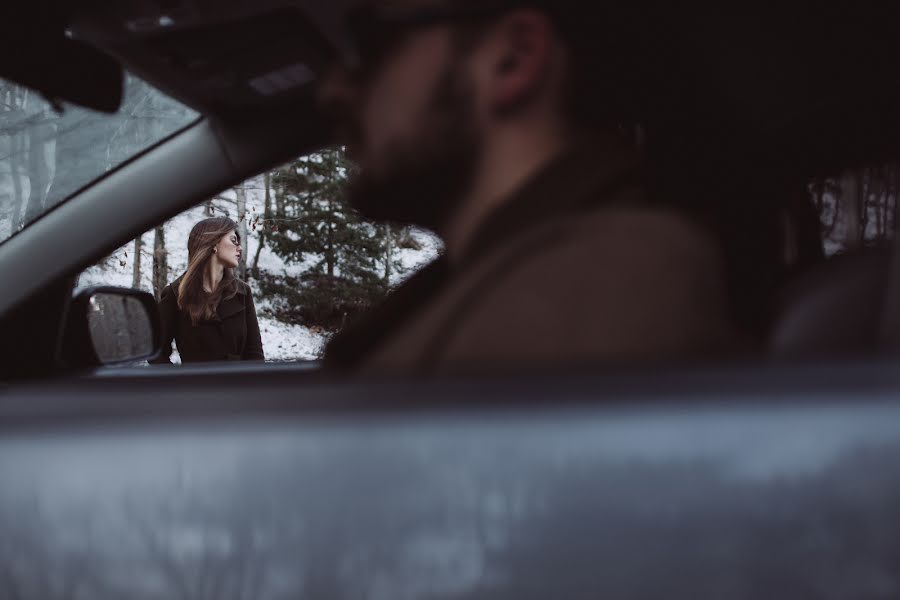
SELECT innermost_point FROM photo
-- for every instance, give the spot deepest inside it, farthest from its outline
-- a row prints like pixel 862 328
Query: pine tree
pixel 314 223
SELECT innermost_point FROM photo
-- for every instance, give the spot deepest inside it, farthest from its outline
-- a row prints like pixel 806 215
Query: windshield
pixel 46 155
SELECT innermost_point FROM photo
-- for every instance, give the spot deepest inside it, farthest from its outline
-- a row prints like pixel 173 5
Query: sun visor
pixel 35 52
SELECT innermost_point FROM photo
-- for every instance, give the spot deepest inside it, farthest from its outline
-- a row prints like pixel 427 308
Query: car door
pixel 740 482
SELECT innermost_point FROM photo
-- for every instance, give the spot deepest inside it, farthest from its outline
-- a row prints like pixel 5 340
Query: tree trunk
pixel 17 148
pixel 279 198
pixel 160 262
pixel 820 195
pixel 884 195
pixel 241 196
pixel 267 213
pixel 851 201
pixel 40 171
pixel 329 249
pixel 894 200
pixel 388 254
pixel 865 190
pixel 18 192
pixel 136 272
pixel 879 212
pixel 888 195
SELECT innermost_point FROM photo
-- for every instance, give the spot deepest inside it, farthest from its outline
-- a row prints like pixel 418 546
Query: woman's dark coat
pixel 232 335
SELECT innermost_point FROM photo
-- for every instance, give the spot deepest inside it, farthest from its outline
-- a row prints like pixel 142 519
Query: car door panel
pixel 732 483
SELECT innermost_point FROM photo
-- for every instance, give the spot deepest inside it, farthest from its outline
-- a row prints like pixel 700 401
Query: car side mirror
pixel 110 326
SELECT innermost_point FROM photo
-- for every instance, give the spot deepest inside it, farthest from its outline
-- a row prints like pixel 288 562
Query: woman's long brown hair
pixel 192 298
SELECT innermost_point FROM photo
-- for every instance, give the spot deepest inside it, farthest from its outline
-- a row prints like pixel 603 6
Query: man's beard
pixel 425 179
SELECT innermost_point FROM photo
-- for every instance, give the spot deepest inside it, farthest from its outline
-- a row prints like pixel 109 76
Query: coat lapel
pixel 232 306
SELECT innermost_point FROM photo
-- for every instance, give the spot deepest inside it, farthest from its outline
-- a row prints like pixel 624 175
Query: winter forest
pixel 313 264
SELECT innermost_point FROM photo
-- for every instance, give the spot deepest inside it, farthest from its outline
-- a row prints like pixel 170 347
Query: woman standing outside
pixel 208 311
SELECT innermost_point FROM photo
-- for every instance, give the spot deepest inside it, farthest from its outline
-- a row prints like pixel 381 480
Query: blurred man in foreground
pixel 491 124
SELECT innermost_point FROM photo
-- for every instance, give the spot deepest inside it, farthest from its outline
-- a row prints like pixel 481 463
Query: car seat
pixel 845 306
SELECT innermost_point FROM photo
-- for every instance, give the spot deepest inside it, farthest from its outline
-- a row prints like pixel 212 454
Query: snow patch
pixel 284 342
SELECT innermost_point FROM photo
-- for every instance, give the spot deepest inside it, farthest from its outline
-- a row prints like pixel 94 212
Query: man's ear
pixel 524 56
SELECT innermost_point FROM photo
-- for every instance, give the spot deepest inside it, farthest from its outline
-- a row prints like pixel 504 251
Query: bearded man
pixel 489 123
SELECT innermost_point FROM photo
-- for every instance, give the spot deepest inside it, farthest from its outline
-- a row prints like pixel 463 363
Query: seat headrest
pixel 838 308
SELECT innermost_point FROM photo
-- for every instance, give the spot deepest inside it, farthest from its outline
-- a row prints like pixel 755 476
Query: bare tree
pixel 267 215
pixel 15 152
pixel 41 167
pixel 160 261
pixel 388 253
pixel 241 201
pixel 136 273
pixel 852 205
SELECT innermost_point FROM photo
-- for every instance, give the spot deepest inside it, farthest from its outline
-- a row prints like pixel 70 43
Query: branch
pixel 121 126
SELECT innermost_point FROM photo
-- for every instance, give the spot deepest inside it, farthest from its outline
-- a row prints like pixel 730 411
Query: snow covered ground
pixel 281 341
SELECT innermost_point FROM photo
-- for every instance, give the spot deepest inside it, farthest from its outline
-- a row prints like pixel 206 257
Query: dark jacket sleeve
pixel 253 348
pixel 168 315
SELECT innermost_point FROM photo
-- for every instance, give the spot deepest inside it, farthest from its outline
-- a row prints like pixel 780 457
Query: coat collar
pixel 578 178
pixel 231 306
pixel 228 306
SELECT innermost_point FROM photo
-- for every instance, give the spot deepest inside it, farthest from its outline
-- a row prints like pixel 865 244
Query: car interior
pixel 754 102
pixel 747 119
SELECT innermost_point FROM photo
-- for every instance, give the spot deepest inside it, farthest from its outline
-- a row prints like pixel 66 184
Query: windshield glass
pixel 46 155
